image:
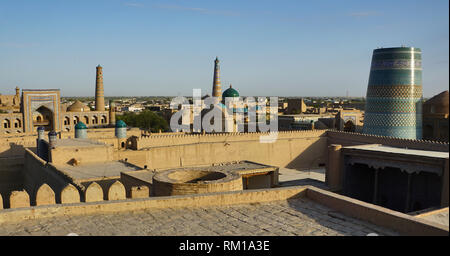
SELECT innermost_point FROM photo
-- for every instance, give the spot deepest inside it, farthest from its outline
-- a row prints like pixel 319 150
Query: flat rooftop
pixel 403 151
pixel 241 167
pixel 79 143
pixel 96 170
pixel 313 177
pixel 143 175
pixel 292 217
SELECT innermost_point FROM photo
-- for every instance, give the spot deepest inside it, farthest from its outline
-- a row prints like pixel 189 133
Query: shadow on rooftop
pixel 304 182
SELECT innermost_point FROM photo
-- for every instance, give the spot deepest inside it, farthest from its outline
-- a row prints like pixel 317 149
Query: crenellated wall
pixel 37 172
pixel 292 149
pixel 181 139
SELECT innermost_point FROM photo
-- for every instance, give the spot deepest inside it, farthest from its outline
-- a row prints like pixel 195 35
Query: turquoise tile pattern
pixel 394 93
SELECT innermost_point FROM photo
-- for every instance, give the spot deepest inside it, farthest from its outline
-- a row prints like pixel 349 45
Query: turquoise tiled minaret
pixel 394 93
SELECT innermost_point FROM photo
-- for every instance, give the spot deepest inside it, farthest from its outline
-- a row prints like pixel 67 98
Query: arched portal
pixel 43 117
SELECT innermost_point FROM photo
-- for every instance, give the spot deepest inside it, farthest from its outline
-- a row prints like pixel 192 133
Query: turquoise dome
pixel 120 124
pixel 230 92
pixel 80 125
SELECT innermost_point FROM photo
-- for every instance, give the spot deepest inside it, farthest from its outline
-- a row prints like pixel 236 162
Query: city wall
pixel 293 149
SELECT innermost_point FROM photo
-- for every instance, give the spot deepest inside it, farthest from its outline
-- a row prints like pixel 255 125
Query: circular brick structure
pixel 194 181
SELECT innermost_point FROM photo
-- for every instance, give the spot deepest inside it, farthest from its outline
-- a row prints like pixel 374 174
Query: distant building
pixel 156 108
pixel 133 108
pixel 349 120
pixel 295 106
pixel 304 122
pixel 435 118
pixel 10 103
pixel 43 108
pixel 282 107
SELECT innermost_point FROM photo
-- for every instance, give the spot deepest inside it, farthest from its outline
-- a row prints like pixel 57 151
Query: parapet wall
pixel 85 154
pixel 292 149
pixel 396 221
pixel 352 139
pixel 14 144
pixel 182 139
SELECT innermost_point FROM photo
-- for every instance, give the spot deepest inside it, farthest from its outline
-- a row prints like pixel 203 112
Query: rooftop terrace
pixel 294 217
pixel 96 170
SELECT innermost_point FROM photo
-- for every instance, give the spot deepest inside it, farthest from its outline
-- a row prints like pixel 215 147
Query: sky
pixel 167 48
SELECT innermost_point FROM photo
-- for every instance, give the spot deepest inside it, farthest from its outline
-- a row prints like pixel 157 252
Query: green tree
pixel 146 119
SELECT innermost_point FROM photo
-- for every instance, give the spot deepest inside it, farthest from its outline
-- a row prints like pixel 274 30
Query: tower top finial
pixel 231 86
pixel 217 59
pixel 99 66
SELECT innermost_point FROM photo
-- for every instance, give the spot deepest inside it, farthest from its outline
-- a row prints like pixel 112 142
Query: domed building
pixel 235 121
pixel 43 108
pixel 435 118
pixel 78 106
pixel 230 93
pixel 233 94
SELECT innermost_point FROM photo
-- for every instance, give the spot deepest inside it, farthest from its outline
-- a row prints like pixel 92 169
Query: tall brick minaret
pixel 112 113
pixel 99 96
pixel 217 90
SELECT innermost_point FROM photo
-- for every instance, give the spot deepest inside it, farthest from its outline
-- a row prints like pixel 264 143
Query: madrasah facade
pixel 42 107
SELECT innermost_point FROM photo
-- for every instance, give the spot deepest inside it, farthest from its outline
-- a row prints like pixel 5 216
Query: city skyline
pixel 167 48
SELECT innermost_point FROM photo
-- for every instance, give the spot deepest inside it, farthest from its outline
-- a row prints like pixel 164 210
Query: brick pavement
pixel 293 217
